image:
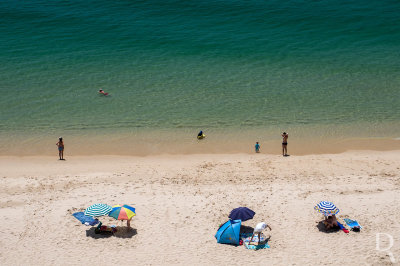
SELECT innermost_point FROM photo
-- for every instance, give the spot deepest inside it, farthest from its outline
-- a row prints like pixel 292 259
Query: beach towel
pixel 246 237
pixel 84 219
pixel 353 224
pixel 344 229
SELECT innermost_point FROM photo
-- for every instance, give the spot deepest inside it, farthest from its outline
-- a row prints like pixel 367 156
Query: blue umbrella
pixel 98 209
pixel 327 208
pixel 242 213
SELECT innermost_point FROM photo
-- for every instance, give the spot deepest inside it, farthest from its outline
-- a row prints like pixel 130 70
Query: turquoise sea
pixel 239 70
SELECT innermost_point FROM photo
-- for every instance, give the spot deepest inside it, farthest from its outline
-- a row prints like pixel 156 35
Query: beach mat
pixel 84 219
pixel 343 228
pixel 246 241
pixel 352 223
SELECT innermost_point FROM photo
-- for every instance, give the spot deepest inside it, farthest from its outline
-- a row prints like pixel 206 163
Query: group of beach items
pixel 229 232
pixel 119 212
pixel 328 209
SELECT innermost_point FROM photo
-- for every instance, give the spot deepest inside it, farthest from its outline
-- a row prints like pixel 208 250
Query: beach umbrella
pixel 242 213
pixel 327 208
pixel 122 212
pixel 97 210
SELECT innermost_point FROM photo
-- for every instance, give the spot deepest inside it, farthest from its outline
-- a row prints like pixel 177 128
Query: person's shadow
pixel 322 228
pixel 122 232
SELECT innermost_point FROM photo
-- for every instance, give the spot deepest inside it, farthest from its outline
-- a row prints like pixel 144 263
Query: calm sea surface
pixel 235 69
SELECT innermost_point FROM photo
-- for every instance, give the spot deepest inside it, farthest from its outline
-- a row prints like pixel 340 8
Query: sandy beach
pixel 181 200
pixel 129 85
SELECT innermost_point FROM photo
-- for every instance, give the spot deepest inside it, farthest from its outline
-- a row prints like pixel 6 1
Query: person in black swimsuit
pixel 60 145
pixel 285 136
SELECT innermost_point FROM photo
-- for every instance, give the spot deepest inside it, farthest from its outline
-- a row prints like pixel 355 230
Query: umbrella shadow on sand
pixel 321 227
pixel 125 232
pixel 122 232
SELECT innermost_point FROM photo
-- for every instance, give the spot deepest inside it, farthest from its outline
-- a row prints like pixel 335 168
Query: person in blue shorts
pixel 60 145
pixel 257 147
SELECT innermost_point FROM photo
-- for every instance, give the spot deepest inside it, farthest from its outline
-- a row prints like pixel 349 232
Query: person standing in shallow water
pixel 257 147
pixel 285 136
pixel 60 145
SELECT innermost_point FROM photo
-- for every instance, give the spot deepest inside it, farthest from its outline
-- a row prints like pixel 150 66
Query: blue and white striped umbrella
pixel 98 209
pixel 327 208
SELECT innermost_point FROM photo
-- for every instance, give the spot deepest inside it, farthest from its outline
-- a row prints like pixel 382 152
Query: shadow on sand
pixel 321 227
pixel 122 232
pixel 246 229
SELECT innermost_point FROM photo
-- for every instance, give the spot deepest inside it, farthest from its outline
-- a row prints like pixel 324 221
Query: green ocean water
pixel 235 69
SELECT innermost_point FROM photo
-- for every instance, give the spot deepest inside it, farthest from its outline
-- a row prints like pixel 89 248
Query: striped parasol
pixel 97 210
pixel 327 208
pixel 122 212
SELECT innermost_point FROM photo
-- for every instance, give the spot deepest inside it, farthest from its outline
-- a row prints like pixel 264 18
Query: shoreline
pixel 194 155
pixel 81 146
pixel 310 139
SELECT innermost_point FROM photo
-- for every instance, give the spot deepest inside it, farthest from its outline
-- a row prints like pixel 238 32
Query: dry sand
pixel 181 200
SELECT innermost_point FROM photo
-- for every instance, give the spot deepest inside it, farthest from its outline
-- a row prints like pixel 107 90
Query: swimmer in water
pixel 201 135
pixel 103 92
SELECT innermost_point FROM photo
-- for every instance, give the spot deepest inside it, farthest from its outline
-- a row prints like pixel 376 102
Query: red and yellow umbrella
pixel 122 212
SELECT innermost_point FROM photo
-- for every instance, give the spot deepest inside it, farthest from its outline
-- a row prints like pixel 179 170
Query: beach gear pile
pixel 90 216
pixel 229 232
pixel 327 208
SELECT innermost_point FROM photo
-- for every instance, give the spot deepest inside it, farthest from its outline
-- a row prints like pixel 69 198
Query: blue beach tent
pixel 228 233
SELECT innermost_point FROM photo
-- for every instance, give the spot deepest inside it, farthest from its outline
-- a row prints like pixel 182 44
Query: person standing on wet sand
pixel 285 136
pixel 257 147
pixel 60 145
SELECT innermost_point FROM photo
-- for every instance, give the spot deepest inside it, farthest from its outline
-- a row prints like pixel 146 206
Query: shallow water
pixel 237 70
